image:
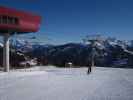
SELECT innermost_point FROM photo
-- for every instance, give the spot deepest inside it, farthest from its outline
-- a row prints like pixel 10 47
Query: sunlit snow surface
pixel 67 84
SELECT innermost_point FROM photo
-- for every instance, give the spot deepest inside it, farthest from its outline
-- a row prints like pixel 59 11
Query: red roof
pixel 26 22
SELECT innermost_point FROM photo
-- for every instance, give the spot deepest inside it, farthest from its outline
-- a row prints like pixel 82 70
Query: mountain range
pixel 109 52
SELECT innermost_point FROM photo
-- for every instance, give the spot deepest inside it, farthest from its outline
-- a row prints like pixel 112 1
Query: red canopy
pixel 12 20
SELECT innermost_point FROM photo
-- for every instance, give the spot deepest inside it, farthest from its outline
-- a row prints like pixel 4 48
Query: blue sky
pixel 70 20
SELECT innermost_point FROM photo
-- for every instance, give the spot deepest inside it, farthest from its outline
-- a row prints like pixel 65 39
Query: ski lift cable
pixel 31 39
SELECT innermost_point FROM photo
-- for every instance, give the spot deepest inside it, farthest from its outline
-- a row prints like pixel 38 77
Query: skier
pixel 93 52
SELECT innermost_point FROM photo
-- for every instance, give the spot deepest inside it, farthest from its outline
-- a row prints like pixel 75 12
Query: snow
pixel 20 73
pixel 68 84
pixel 1 45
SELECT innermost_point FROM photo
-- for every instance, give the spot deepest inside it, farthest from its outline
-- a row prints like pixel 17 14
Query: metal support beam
pixel 6 52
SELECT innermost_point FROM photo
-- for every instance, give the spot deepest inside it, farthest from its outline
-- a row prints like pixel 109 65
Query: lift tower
pixel 18 22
